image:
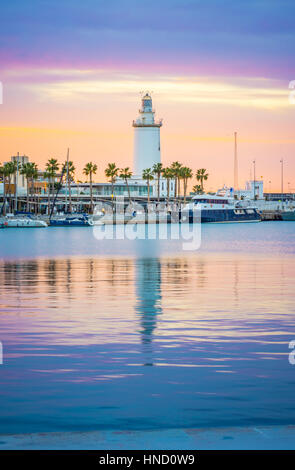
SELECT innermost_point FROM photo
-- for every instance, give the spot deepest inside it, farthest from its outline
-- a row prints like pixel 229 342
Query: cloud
pixel 54 85
pixel 222 38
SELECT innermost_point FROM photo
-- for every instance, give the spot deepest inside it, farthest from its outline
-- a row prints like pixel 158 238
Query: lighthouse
pixel 147 148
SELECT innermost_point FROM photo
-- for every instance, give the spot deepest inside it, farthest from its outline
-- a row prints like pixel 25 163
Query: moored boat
pixel 24 222
pixel 70 221
pixel 207 208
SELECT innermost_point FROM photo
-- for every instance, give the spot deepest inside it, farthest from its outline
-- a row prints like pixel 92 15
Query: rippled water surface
pixel 120 334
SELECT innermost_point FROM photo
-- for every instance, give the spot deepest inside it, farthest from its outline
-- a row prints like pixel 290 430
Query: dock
pixel 270 215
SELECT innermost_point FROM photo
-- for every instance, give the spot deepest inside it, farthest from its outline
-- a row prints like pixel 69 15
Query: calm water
pixel 142 335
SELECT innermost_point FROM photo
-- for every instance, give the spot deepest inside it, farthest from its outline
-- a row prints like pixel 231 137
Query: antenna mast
pixel 236 179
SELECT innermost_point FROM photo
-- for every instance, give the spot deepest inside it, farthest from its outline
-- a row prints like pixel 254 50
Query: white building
pixel 253 190
pixel 19 179
pixel 147 146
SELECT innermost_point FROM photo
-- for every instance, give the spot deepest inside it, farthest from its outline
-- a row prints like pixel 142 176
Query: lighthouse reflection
pixel 148 300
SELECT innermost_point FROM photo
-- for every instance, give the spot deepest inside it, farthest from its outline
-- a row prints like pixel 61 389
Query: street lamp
pixel 282 175
pixel 254 182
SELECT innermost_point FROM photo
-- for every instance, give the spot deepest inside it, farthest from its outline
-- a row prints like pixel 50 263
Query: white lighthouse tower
pixel 147 148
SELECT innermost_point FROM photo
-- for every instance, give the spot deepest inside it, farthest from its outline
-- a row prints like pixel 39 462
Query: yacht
pixel 78 220
pixel 23 222
pixel 218 208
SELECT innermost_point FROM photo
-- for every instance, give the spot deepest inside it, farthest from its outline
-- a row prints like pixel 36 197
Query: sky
pixel 72 73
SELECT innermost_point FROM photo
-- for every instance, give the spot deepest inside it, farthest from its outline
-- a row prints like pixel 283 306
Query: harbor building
pixel 19 179
pixel 19 182
pixel 105 189
pixel 253 190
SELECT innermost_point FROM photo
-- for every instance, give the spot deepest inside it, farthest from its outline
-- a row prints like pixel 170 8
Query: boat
pixel 288 215
pixel 70 221
pixel 216 208
pixel 23 222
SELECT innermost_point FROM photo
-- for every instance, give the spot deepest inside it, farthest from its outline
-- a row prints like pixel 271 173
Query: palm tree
pixel 2 178
pixel 157 170
pixel 198 189
pixel 50 173
pixel 186 173
pixel 168 175
pixel 4 174
pixel 112 172
pixel 147 175
pixel 10 170
pixel 69 169
pixel 176 167
pixel 126 174
pixel 89 170
pixel 30 171
pixel 202 176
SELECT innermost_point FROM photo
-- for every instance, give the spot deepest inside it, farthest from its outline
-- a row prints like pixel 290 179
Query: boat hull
pixel 288 216
pixel 223 216
pixel 69 223
pixel 25 224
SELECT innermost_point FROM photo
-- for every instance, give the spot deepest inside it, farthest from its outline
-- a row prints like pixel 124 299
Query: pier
pixel 271 215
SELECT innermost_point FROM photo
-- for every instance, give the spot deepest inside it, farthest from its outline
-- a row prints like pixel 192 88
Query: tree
pixel 89 170
pixel 168 175
pixel 126 174
pixel 198 189
pixel 157 170
pixel 30 171
pixel 69 169
pixel 111 172
pixel 147 175
pixel 50 173
pixel 4 174
pixel 176 167
pixel 185 173
pixel 202 176
pixel 10 170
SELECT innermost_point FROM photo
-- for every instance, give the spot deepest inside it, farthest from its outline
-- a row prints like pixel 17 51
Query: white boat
pixel 23 222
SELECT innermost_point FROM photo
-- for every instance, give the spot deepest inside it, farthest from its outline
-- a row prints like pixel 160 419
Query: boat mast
pixel 282 175
pixel 16 182
pixel 254 182
pixel 236 180
pixel 67 180
pixel 58 189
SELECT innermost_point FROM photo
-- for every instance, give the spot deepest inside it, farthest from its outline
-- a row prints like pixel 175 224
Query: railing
pixel 143 124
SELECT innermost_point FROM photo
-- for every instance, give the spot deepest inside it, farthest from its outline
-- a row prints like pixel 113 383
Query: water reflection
pixel 79 332
pixel 148 301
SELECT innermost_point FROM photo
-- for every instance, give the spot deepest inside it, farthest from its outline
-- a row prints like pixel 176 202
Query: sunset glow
pixel 75 81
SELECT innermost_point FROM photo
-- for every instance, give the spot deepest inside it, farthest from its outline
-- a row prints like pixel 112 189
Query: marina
pixel 147 194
